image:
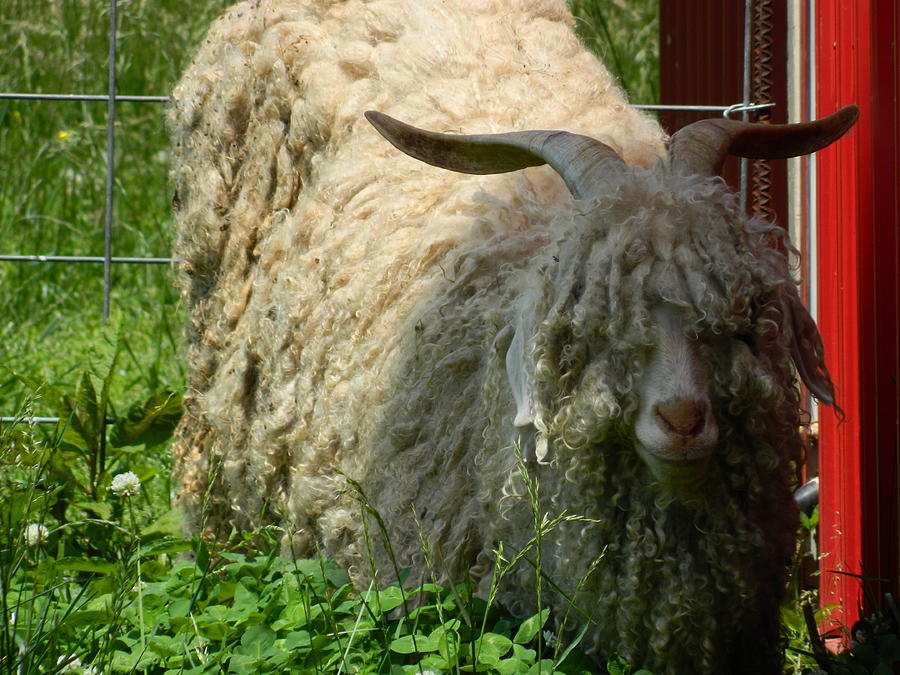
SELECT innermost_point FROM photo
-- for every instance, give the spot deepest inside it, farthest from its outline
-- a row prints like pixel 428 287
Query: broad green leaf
pixel 491 647
pixel 811 521
pixel 387 599
pixel 104 354
pixel 96 565
pixel 511 666
pixel 258 638
pixel 616 665
pixel 408 644
pixel 136 660
pixel 167 545
pixel 530 627
pixel 211 630
pixel 245 600
pixel 202 556
pixel 432 643
pixel 295 615
pixel 88 617
pixel 520 652
pixel 341 596
pixel 165 645
pixel 543 667
pixel 435 664
pixel 243 664
pixel 298 639
pixel 169 523
pixel 150 422
pixel 180 607
pixel 100 509
pixel 88 417
pixel 335 574
pixel 448 641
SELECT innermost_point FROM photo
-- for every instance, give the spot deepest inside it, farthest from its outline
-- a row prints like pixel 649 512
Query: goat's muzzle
pixel 682 419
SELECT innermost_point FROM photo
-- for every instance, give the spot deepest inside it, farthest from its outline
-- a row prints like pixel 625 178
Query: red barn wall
pixel 859 248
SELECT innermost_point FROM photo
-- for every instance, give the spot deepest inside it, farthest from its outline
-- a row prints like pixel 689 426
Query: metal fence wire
pixel 111 98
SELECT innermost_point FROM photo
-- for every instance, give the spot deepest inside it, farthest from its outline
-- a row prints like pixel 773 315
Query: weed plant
pixel 93 580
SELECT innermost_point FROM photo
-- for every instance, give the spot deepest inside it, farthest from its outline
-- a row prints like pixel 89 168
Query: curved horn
pixel 579 160
pixel 702 147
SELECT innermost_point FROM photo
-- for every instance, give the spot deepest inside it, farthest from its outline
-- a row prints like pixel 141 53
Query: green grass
pixel 625 35
pixel 53 188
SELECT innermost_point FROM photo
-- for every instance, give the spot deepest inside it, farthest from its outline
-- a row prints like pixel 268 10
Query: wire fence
pixel 111 98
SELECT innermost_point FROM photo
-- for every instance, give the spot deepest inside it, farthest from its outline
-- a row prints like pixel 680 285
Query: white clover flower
pixel 71 664
pixel 139 586
pixel 550 638
pixel 126 484
pixel 35 534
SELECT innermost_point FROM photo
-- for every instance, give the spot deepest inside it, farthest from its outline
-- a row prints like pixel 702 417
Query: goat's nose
pixel 681 417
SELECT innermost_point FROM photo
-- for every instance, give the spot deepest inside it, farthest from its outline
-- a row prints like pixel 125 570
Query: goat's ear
pixel 521 384
pixel 807 350
pixel 520 381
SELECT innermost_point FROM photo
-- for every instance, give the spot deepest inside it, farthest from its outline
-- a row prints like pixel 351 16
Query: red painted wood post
pixel 858 277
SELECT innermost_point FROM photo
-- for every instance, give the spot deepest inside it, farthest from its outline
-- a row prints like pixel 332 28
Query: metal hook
pixel 745 107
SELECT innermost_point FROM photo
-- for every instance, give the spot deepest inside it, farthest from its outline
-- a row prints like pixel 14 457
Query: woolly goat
pixel 607 314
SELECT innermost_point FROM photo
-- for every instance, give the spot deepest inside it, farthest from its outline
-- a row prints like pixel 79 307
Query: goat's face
pixel 566 391
pixel 675 430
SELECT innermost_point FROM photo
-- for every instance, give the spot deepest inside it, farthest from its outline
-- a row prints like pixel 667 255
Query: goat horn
pixel 701 147
pixel 579 160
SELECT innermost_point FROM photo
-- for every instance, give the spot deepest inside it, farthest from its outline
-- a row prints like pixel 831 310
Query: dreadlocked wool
pixel 354 313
